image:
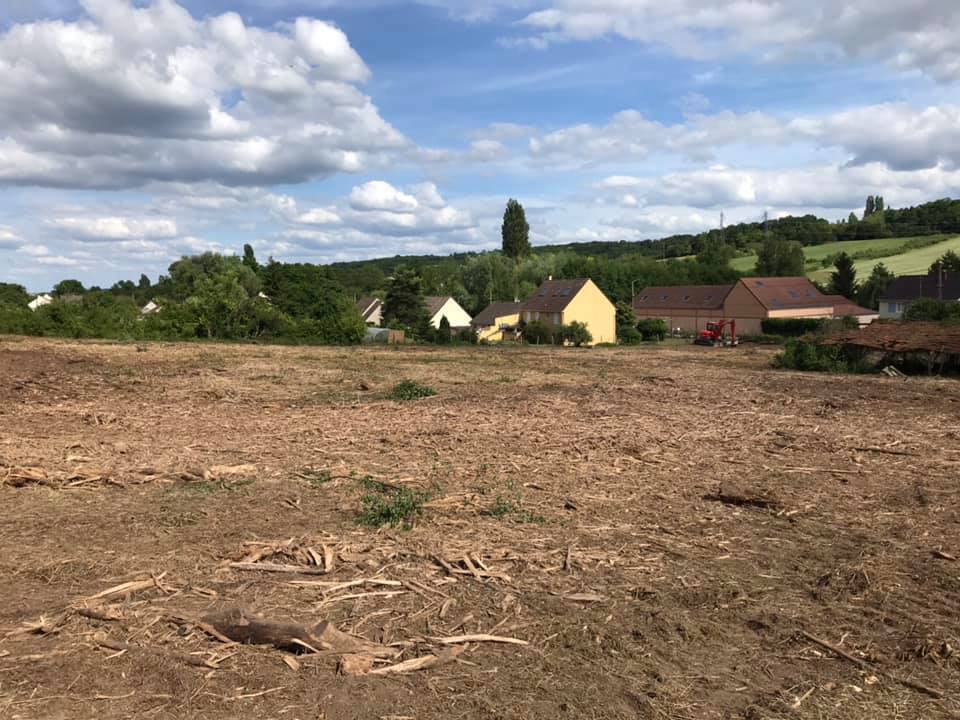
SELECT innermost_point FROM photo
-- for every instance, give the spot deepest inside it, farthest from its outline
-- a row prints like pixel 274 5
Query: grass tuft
pixel 383 505
pixel 410 390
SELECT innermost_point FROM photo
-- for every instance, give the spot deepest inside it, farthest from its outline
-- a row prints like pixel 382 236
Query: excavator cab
pixel 714 334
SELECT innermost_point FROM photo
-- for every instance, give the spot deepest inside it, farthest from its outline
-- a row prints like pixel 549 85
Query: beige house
pixel 446 307
pixel 561 302
pixel 371 309
pixel 497 321
pixel 749 301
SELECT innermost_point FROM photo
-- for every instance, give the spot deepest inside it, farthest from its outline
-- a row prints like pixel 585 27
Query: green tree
pixel 144 283
pixel 873 288
pixel 853 219
pixel 948 262
pixel 405 306
pixel 871 207
pixel 780 258
pixel 626 317
pixel 515 231
pixel 11 294
pixel 68 287
pixel 249 259
pixel 843 280
pixel 715 251
pixel 878 204
pixel 443 334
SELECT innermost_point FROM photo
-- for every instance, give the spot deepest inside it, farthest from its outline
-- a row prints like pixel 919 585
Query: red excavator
pixel 714 336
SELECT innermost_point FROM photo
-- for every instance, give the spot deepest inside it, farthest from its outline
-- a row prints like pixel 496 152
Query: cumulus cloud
pixel 115 228
pixel 914 35
pixel 126 95
pixel 382 196
pixel 9 239
pixel 897 134
pixel 826 186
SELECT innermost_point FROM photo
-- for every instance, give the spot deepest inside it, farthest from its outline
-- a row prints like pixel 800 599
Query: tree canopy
pixel 843 280
pixel 515 231
pixel 780 258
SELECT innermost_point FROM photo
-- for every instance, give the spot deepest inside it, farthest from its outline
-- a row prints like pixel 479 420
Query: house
pixel 749 301
pixel 562 302
pixel 151 308
pixel 907 289
pixel 687 307
pixel 39 301
pixel 384 335
pixel 446 307
pixel 372 311
pixel 497 321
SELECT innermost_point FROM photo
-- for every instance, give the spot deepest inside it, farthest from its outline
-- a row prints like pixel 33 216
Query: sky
pixel 135 132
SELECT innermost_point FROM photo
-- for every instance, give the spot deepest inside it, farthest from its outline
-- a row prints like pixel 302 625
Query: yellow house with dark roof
pixel 561 302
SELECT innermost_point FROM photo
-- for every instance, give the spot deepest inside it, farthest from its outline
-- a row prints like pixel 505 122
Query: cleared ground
pixel 585 502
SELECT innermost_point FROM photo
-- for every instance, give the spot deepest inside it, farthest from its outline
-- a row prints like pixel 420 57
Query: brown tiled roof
pixel 554 295
pixel 366 306
pixel 488 316
pixel 435 303
pixel 903 337
pixel 844 306
pixel 779 293
pixel 682 297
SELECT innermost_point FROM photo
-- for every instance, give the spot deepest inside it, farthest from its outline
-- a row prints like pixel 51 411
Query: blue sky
pixel 325 130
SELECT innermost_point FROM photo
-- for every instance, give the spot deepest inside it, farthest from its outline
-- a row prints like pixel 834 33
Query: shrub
pixel 791 327
pixel 801 354
pixel 932 310
pixel 384 505
pixel 652 329
pixel 410 390
pixel 537 333
pixel 629 335
pixel 576 333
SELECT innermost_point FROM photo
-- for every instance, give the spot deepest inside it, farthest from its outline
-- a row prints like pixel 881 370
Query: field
pixel 671 532
pixel 911 262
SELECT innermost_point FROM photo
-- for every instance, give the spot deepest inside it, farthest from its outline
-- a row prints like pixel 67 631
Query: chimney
pixel 549 277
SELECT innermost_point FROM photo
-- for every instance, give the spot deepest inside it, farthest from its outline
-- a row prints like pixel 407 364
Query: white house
pixel 39 301
pixel 151 308
pixel 446 306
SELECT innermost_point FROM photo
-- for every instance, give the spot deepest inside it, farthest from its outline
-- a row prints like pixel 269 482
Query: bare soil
pixel 671 531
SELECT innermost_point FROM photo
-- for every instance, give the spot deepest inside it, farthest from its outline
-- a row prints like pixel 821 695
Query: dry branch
pixel 913 685
pixel 277 568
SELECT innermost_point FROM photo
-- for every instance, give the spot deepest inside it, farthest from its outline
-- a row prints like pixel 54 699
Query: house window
pixel 536 315
pixel 556 318
pixel 891 307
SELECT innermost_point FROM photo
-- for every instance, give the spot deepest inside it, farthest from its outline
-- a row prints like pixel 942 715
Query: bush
pixel 467 337
pixel 932 310
pixel 800 354
pixel 652 329
pixel 537 333
pixel 410 390
pixel 762 339
pixel 791 327
pixel 576 333
pixel 629 335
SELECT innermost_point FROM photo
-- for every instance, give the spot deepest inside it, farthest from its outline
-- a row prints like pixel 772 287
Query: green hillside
pixel 899 255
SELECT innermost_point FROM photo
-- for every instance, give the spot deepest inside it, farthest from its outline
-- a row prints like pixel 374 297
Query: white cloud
pixel 382 196
pixel 9 239
pixel 127 95
pixel 896 134
pixel 115 228
pixel 911 35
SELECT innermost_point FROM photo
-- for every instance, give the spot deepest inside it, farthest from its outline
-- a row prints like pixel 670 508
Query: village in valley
pixel 607 368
